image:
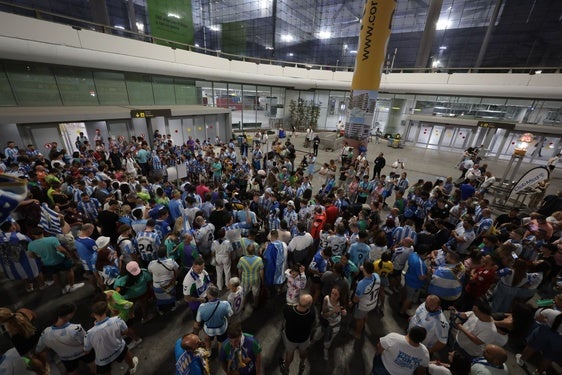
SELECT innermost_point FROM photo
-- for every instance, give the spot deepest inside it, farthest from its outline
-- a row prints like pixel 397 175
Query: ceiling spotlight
pixel 324 35
pixel 215 28
pixel 287 38
pixel 442 24
pixel 290 54
pixel 442 48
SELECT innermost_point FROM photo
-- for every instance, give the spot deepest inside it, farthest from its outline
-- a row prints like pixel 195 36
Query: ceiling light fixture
pixel 287 38
pixel 442 24
pixel 324 35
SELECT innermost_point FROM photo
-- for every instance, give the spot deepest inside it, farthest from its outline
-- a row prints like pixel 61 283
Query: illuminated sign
pixel 495 125
pixel 149 113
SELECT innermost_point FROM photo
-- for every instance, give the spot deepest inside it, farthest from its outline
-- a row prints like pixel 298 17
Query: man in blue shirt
pixel 359 251
pixel 191 357
pixel 240 353
pixel 414 281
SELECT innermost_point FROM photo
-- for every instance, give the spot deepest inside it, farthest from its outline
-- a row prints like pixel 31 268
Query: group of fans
pixel 252 222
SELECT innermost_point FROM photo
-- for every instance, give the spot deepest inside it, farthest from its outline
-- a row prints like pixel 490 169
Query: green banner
pixel 171 20
pixel 234 38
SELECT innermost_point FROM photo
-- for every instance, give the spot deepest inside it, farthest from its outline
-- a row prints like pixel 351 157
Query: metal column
pixel 428 33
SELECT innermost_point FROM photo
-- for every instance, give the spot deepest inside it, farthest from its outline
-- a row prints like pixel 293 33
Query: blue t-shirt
pixel 187 363
pixel 358 253
pixel 416 268
pixel 318 263
pixel 86 248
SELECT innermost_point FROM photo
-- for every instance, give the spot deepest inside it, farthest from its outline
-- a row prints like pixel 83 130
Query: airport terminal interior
pixel 465 85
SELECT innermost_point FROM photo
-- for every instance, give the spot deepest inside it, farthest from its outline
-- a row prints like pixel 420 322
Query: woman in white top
pixel 332 311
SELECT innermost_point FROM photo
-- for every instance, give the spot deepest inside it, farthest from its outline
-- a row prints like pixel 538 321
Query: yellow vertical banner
pixel 376 25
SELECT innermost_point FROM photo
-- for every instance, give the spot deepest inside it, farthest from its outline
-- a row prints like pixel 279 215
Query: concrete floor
pixel 348 356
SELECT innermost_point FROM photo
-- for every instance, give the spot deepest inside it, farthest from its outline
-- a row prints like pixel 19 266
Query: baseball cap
pixel 133 268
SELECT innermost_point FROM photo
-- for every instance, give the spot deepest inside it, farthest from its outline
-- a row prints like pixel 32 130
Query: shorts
pixel 220 338
pixel 253 288
pixel 65 265
pixel 106 369
pixel 412 294
pixel 292 346
pixel 72 365
pixel 360 314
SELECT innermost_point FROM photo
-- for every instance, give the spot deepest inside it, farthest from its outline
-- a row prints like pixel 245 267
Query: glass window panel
pixel 33 85
pixel 186 92
pixel 139 89
pixel 250 104
pixel 163 88
pixel 76 86
pixel 234 102
pixel 111 88
pixel 6 94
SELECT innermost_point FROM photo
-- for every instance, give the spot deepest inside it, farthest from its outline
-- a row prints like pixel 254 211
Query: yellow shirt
pixel 383 268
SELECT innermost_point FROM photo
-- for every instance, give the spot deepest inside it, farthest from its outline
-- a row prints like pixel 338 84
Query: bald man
pixel 188 361
pixel 430 316
pixel 299 321
pixel 491 363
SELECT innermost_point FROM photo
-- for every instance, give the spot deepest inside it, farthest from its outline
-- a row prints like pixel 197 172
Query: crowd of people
pixel 252 223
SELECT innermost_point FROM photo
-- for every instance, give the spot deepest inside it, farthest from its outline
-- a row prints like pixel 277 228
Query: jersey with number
pixel 235 299
pixel 338 244
pixel 359 253
pixel 67 341
pixel 148 244
pixel 368 292
pixel 204 238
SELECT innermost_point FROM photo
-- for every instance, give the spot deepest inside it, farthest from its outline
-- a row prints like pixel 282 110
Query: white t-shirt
pixel 300 243
pixel 163 272
pixel 67 341
pixel 235 299
pixel 106 340
pixel 435 324
pixel 485 331
pixel 482 369
pixel 438 370
pixel 401 358
pixel 338 244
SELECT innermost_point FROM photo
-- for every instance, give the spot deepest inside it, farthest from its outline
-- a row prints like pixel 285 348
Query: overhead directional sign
pixel 495 125
pixel 149 113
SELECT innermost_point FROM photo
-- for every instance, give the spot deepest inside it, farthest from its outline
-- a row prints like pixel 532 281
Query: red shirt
pixel 481 281
pixel 332 213
pixel 201 190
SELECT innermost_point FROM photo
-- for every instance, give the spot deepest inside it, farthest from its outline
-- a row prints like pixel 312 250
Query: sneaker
pixel 66 289
pixel 134 344
pixel 136 365
pixel 519 360
pixel 46 284
pixel 75 287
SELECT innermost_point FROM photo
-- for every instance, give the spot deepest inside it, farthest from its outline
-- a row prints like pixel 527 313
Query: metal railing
pixel 79 24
